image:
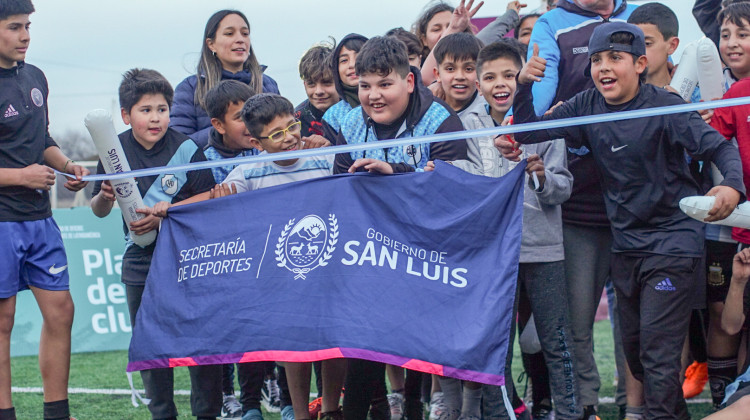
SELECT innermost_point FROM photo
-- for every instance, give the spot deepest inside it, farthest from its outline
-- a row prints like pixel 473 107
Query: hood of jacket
pixel 335 60
pixel 571 7
pixel 216 140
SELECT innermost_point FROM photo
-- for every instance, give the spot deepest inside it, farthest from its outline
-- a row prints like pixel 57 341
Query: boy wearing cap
pixel 656 249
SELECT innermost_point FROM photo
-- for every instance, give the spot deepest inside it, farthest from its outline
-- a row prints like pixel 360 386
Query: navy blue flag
pixel 416 270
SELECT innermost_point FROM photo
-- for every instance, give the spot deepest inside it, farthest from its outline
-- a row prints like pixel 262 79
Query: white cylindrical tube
pixel 686 77
pixel 99 124
pixel 710 74
pixel 698 206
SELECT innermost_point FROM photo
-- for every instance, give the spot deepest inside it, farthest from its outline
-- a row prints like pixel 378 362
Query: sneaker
pixel 589 413
pixel 450 414
pixel 332 415
pixel 314 407
pixel 231 408
pixel 396 402
pixel 287 413
pixel 437 406
pixel 540 413
pixel 696 377
pixel 270 396
pixel 253 414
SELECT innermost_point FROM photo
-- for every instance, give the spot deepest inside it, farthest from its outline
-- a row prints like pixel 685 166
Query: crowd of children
pixel 600 201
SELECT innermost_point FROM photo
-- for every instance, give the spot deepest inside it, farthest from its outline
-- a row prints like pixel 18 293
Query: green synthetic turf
pixel 107 371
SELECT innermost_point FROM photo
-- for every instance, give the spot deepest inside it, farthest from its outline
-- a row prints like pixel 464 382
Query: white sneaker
pixel 396 403
pixel 231 408
pixel 437 406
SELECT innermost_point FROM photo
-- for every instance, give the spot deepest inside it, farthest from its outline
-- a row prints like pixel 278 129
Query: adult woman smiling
pixel 226 54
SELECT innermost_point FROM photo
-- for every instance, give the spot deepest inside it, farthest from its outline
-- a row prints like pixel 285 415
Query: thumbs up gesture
pixel 533 71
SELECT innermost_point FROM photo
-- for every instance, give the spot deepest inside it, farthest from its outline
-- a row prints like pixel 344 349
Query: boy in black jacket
pixel 145 98
pixel 657 249
pixel 34 258
pixel 317 75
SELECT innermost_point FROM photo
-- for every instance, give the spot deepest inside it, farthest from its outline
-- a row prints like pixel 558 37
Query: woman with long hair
pixel 226 54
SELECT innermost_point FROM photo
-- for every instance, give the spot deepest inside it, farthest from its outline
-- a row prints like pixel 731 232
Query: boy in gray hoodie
pixel 541 271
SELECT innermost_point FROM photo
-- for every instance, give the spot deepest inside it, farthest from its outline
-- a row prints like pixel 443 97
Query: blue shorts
pixel 32 254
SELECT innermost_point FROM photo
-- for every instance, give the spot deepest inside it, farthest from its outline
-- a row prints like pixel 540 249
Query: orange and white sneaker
pixel 314 407
pixel 696 377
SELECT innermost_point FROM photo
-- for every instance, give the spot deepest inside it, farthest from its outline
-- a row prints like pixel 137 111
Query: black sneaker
pixel 589 413
pixel 270 396
pixel 231 408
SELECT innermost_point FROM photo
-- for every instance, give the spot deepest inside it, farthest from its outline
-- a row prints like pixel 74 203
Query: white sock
pixel 451 394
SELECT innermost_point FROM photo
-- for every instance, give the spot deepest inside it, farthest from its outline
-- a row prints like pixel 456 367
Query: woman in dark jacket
pixel 226 54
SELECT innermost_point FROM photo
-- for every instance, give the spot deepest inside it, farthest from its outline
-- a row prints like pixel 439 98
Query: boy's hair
pixel 224 94
pixel 261 109
pixel 412 42
pixel 351 44
pixel 460 47
pixel 735 13
pixel 381 55
pixel 9 8
pixel 314 65
pixel 521 21
pixel 627 39
pixel 139 82
pixel 498 50
pixel 658 15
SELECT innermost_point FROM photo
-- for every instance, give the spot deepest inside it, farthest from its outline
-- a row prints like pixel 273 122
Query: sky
pixel 84 46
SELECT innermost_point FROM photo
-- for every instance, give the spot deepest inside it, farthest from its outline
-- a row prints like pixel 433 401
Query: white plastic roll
pixel 686 77
pixel 698 206
pixel 710 74
pixel 99 124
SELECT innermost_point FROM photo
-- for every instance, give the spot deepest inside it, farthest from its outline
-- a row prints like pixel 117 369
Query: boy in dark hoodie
pixel 395 104
pixel 656 248
pixel 345 78
pixel 317 75
pixel 228 137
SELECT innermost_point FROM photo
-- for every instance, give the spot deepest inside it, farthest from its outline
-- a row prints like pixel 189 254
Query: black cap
pixel 601 40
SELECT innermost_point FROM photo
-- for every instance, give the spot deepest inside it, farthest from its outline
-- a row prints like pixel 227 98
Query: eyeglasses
pixel 279 136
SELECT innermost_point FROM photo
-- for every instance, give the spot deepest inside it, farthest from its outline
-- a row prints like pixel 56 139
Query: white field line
pixel 115 391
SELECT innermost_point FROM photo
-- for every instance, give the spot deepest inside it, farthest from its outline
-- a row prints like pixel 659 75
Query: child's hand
pixel 461 18
pixel 741 266
pixel 430 166
pixel 516 5
pixel 77 184
pixel 726 201
pixel 222 190
pixel 159 210
pixel 549 111
pixel 107 192
pixel 534 69
pixel 509 149
pixel 707 114
pixel 535 165
pixel 314 141
pixel 38 177
pixel 371 165
pixel 148 223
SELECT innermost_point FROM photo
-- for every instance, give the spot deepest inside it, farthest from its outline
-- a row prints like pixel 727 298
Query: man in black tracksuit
pixel 656 248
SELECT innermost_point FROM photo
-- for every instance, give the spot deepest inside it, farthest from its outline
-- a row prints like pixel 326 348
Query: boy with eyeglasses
pixel 269 119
